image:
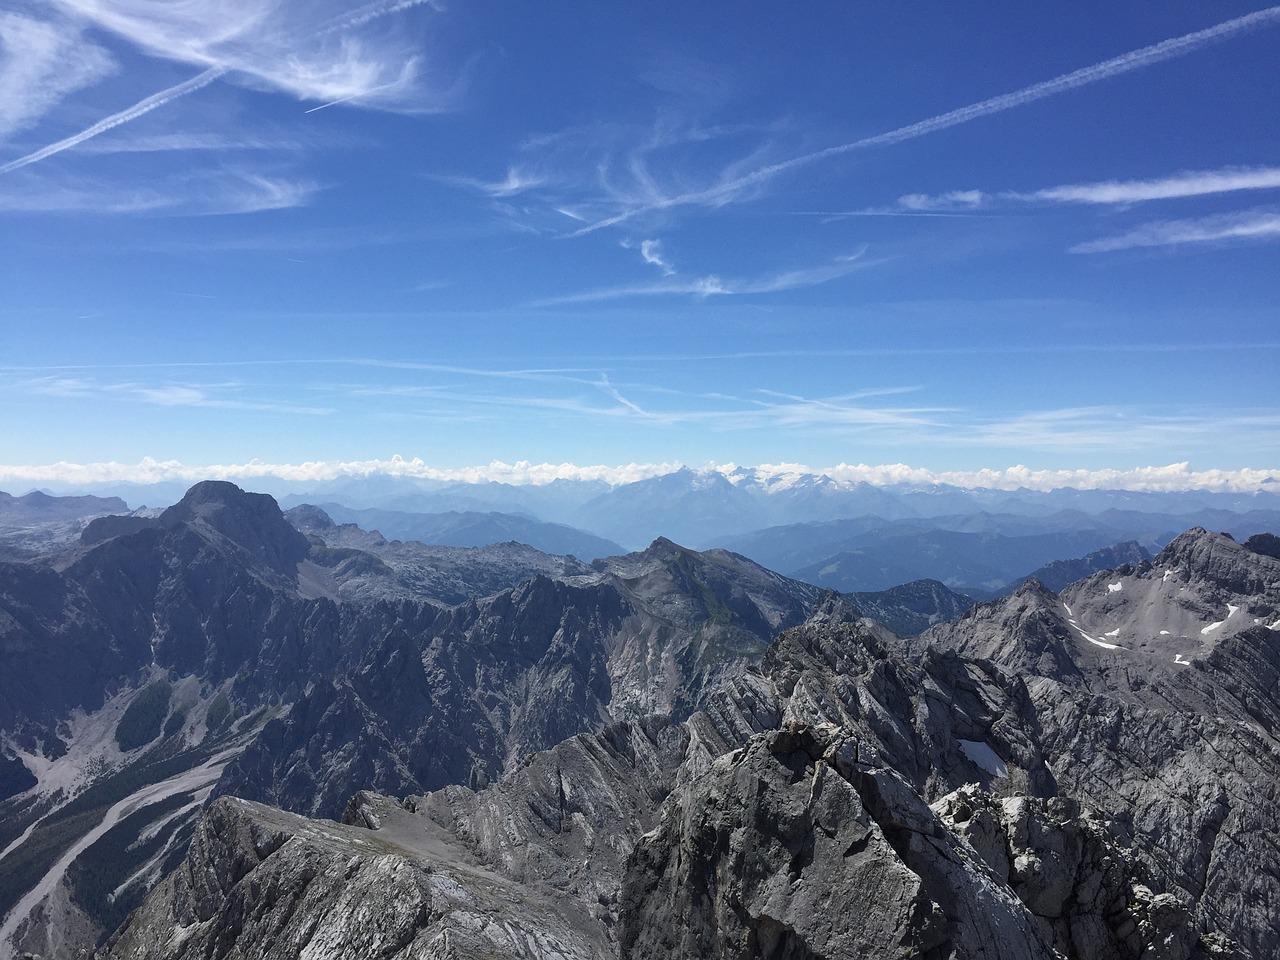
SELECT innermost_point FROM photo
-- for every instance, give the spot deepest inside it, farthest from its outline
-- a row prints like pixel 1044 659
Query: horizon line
pixel 1168 478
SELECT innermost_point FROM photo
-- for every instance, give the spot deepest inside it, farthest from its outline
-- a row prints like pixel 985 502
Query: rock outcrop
pixel 265 884
pixel 1154 690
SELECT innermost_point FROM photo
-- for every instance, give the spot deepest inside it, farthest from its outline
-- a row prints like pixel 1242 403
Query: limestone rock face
pixel 1154 691
pixel 843 801
pixel 265 884
pixel 800 846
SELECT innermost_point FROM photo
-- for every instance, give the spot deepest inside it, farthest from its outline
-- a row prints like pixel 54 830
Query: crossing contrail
pixel 1126 62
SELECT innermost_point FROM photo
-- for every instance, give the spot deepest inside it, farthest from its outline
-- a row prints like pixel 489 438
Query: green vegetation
pixel 142 721
pixel 31 861
pixel 219 715
pixel 97 872
pixel 174 723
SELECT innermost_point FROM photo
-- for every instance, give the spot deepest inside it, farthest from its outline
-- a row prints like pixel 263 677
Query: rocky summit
pixel 251 741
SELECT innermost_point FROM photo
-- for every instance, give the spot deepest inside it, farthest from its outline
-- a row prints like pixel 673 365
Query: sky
pixel 959 237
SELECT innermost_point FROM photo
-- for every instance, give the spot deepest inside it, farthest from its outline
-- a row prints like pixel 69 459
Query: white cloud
pixel 1175 477
pixel 41 61
pixel 284 45
pixel 1194 183
pixel 213 396
pixel 143 106
pixel 278 45
pixel 165 142
pixel 1246 226
pixel 516 181
pixel 955 200
pixel 651 251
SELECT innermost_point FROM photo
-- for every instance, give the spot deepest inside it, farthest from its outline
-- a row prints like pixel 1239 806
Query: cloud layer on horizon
pixel 1170 478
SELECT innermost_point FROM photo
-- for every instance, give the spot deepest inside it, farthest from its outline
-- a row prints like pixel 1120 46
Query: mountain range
pixel 670 752
pixel 843 534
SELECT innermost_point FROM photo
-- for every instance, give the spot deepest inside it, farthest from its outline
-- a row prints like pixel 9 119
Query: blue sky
pixel 950 236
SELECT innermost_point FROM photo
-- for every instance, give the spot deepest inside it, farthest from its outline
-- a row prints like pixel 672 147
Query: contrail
pixel 371 11
pixel 124 116
pixel 1135 59
pixel 357 18
pixel 354 96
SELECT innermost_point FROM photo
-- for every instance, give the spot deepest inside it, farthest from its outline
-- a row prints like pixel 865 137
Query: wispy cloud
pixel 1251 225
pixel 286 45
pixel 211 396
pixel 651 253
pixel 714 286
pixel 516 181
pixel 273 44
pixel 42 62
pixel 1196 183
pixel 183 142
pixel 730 188
pixel 588 172
pixel 955 200
pixel 199 193
pixel 1115 428
pixel 1183 185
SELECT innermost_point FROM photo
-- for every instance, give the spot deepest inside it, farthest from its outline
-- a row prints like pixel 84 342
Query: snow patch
pixel 1212 627
pixel 1114 587
pixel 1095 641
pixel 1177 658
pixel 1167 575
pixel 1112 633
pixel 982 755
pixel 1164 633
pixel 1231 610
pixel 1068 609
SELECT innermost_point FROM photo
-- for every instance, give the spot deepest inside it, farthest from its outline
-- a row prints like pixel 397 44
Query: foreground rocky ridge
pixel 802 815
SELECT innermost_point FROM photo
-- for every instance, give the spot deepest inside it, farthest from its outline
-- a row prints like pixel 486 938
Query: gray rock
pixel 265 884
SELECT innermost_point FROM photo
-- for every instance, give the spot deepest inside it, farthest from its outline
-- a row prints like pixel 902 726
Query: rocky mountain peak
pixel 1033 591
pixel 1026 632
pixel 1218 559
pixel 251 521
pixel 664 549
pixel 308 516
